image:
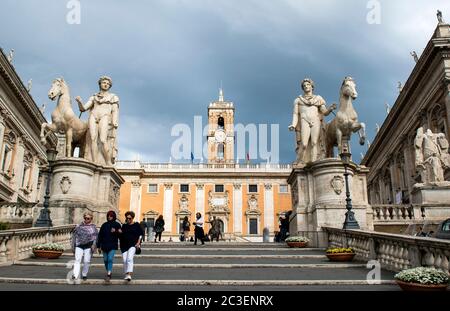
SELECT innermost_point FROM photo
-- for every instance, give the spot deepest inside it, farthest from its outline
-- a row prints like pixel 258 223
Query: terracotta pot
pixel 47 253
pixel 340 256
pixel 406 286
pixel 297 244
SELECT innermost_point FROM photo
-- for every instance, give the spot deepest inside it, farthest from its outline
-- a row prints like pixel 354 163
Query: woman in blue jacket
pixel 108 241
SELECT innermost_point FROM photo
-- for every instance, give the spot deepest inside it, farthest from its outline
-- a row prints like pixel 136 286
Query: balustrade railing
pixel 383 213
pixel 17 212
pixel 394 252
pixel 18 244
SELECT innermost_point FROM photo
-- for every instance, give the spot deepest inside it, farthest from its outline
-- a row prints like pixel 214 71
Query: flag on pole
pixel 192 157
pixel 248 158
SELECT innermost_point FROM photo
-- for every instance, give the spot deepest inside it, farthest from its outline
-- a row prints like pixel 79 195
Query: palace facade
pixel 22 155
pixel 246 198
pixel 424 102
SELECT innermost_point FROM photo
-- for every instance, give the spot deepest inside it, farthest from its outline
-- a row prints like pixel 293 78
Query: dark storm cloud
pixel 167 58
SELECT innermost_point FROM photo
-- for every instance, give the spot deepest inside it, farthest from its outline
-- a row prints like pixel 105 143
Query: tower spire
pixel 221 94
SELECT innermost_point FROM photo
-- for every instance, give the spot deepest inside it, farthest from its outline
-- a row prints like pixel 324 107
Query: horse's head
pixel 58 86
pixel 349 88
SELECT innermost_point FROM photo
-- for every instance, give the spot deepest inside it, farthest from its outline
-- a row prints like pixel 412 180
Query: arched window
pixel 220 151
pixel 221 123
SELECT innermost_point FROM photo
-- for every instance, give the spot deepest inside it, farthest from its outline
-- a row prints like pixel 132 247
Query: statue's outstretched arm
pixel 82 107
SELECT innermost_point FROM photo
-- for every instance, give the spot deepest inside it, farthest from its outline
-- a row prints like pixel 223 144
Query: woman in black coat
pixel 130 241
pixel 108 241
pixel 159 227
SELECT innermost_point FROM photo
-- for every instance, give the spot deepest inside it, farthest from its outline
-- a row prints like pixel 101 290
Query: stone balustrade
pixel 18 244
pixel 394 252
pixel 17 212
pixel 388 213
pixel 201 166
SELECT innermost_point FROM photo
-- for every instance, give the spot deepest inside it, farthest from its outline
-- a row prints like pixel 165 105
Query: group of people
pixel 87 239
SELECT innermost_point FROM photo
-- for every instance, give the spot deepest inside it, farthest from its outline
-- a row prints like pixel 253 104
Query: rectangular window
pixel 219 188
pixel 152 188
pixel 283 188
pixel 252 188
pixel 184 188
pixel 253 226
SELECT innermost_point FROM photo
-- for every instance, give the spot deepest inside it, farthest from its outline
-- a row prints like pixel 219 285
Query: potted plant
pixel 297 241
pixel 340 254
pixel 422 279
pixel 48 250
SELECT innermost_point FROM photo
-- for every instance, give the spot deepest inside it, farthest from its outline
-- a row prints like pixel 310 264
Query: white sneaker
pixel 127 278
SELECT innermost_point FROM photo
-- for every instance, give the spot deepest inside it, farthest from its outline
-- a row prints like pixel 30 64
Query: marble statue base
pixel 78 186
pixel 433 200
pixel 318 194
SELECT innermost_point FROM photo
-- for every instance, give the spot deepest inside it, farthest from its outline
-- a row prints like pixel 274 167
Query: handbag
pixel 138 250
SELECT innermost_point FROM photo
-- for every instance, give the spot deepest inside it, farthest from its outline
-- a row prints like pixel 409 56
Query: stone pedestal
pixel 318 194
pixel 77 186
pixel 433 200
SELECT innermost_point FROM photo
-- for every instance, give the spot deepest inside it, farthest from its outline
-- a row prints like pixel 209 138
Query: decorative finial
pixel 378 127
pixel 29 85
pixel 414 55
pixel 368 143
pixel 400 87
pixel 439 17
pixel 10 56
pixel 221 95
pixel 388 108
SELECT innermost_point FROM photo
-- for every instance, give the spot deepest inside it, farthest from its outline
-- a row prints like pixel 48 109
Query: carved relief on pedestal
pixel 114 192
pixel 337 183
pixel 65 184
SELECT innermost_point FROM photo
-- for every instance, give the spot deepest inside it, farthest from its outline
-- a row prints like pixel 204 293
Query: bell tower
pixel 221 131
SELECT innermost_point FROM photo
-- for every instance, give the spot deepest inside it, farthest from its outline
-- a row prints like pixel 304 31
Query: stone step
pixel 140 259
pixel 199 274
pixel 205 265
pixel 197 256
pixel 204 284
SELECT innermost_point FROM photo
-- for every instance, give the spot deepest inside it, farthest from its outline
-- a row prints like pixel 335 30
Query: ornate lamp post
pixel 44 219
pixel 350 221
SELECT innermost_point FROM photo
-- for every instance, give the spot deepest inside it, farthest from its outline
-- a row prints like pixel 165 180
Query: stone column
pixel 268 207
pixel 18 163
pixel 237 208
pixel 135 198
pixel 168 206
pixel 34 178
pixel 2 134
pixel 200 199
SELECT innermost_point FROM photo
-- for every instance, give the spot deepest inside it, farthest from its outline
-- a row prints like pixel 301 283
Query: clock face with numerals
pixel 220 136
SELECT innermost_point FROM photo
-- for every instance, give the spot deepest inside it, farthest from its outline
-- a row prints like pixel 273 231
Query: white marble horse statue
pixel 64 120
pixel 346 121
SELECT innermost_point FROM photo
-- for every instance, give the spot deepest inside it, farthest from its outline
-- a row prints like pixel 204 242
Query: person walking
pixel 108 241
pixel 144 229
pixel 83 245
pixel 130 240
pixel 186 228
pixel 198 231
pixel 159 227
pixel 284 228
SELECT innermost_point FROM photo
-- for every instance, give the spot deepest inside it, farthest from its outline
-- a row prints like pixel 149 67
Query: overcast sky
pixel 167 58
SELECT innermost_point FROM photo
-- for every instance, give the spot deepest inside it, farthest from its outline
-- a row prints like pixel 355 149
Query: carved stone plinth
pixel 78 185
pixel 318 194
pixel 433 199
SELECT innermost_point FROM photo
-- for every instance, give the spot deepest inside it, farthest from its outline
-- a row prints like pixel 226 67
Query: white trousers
pixel 128 257
pixel 79 254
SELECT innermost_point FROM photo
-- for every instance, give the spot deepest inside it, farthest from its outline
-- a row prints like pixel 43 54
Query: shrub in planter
pixel 48 250
pixel 297 241
pixel 340 254
pixel 422 278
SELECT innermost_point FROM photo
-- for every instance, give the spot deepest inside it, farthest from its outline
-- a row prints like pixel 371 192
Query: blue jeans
pixel 108 258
